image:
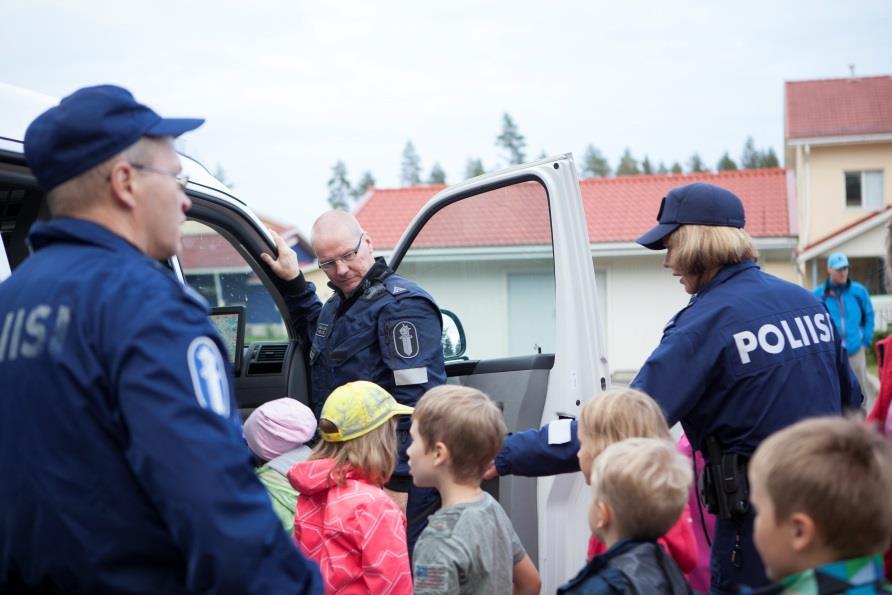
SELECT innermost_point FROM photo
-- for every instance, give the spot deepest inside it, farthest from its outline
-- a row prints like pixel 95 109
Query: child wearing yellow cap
pixel 344 520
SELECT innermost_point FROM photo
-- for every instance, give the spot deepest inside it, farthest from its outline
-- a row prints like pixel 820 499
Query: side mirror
pixel 454 343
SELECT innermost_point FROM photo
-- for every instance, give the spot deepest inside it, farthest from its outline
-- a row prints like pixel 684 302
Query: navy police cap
pixel 88 127
pixel 694 204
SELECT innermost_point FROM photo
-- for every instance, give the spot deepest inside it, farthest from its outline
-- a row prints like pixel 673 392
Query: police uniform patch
pixel 405 339
pixel 208 376
pixel 321 330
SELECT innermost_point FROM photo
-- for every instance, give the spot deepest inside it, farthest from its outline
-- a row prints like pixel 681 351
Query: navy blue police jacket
pixel 122 462
pixel 749 355
pixel 389 331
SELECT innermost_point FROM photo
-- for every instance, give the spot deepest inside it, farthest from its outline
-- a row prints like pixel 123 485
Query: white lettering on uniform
pixel 746 342
pixel 4 335
pixel 63 318
pixel 16 334
pixel 35 331
pixel 794 342
pixel 770 339
pixel 811 329
pixel 826 333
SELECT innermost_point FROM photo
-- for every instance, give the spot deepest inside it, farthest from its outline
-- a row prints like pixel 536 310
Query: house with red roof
pixel 838 137
pixel 490 260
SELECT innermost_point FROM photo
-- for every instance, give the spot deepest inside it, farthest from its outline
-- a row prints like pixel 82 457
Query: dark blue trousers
pixel 731 569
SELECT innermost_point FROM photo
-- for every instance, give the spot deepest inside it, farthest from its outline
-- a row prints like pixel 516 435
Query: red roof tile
pixel 617 209
pixel 838 107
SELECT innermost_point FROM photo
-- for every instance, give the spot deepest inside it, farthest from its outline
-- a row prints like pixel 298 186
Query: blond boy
pixel 469 545
pixel 639 488
pixel 821 491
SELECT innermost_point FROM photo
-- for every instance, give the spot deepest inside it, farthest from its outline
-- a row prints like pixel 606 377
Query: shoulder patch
pixel 405 339
pixel 431 577
pixel 396 290
pixel 208 373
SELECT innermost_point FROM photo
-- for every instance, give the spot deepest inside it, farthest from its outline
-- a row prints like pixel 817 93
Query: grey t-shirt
pixel 467 548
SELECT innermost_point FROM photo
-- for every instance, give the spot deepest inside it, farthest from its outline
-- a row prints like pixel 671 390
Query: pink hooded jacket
pixel 355 532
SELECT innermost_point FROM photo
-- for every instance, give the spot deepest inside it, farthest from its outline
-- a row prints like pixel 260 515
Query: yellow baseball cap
pixel 357 408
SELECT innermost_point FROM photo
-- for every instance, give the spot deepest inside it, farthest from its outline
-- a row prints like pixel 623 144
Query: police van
pixel 467 231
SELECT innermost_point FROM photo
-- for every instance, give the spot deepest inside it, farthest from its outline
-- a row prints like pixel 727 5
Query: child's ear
pixel 802 531
pixel 605 515
pixel 441 453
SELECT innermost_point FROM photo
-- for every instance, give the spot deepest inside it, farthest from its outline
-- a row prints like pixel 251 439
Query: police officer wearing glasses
pixel 377 326
pixel 123 468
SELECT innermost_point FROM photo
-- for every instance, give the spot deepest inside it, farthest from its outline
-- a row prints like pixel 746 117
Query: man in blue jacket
pixel 121 453
pixel 376 326
pixel 849 304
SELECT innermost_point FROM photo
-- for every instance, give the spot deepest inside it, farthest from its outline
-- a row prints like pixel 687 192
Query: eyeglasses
pixel 329 265
pixel 181 178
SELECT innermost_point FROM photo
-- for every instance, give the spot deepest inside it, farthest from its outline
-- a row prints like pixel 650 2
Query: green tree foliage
pixel 695 164
pixel 339 191
pixel 410 168
pixel 676 168
pixel 750 157
pixel 474 168
pixel 628 165
pixel 437 175
pixel 726 163
pixel 365 182
pixel 753 158
pixel 511 141
pixel 646 167
pixel 769 159
pixel 594 164
pixel 661 169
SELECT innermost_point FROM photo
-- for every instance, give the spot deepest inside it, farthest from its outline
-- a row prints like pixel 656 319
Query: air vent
pixel 268 359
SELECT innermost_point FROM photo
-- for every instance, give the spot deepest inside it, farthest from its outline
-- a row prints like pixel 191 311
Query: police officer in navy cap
pixel 377 326
pixel 121 453
pixel 749 355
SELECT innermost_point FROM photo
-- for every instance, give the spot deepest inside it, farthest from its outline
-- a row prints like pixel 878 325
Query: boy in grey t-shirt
pixel 469 545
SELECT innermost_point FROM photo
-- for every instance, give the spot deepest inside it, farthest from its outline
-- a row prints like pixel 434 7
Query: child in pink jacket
pixel 344 520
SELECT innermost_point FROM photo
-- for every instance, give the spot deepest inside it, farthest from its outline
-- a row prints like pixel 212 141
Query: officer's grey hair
pixel 646 484
pixel 80 193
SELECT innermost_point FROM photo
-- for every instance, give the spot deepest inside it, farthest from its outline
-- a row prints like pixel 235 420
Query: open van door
pixel 508 253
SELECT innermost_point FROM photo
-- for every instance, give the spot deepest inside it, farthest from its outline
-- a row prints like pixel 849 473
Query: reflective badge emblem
pixel 405 339
pixel 208 376
pixel 321 330
pixel 398 290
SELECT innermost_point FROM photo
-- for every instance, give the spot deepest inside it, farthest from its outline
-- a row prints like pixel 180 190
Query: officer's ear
pixel 368 239
pixel 122 180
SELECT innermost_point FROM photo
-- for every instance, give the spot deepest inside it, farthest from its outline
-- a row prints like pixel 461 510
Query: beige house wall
pixel 820 185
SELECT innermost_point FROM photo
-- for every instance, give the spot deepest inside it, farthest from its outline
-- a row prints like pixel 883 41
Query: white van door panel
pixel 460 258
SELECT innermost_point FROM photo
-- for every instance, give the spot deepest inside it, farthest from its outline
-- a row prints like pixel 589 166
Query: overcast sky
pixel 290 87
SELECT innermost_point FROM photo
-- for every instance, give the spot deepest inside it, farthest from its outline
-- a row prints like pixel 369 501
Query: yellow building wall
pixel 821 192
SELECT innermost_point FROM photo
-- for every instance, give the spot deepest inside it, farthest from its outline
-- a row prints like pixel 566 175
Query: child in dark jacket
pixel 639 488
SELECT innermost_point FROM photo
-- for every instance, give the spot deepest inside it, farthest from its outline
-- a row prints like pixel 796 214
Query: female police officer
pixel 749 355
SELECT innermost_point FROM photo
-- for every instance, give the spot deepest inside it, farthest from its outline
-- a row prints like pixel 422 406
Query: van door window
pixel 489 259
pixel 214 268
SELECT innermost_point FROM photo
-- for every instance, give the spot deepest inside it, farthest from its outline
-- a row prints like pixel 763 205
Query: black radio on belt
pixel 725 489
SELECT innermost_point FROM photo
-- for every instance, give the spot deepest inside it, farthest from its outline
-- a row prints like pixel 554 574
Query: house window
pixel 864 189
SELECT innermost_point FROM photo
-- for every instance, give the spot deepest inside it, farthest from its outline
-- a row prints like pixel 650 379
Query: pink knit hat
pixel 278 426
